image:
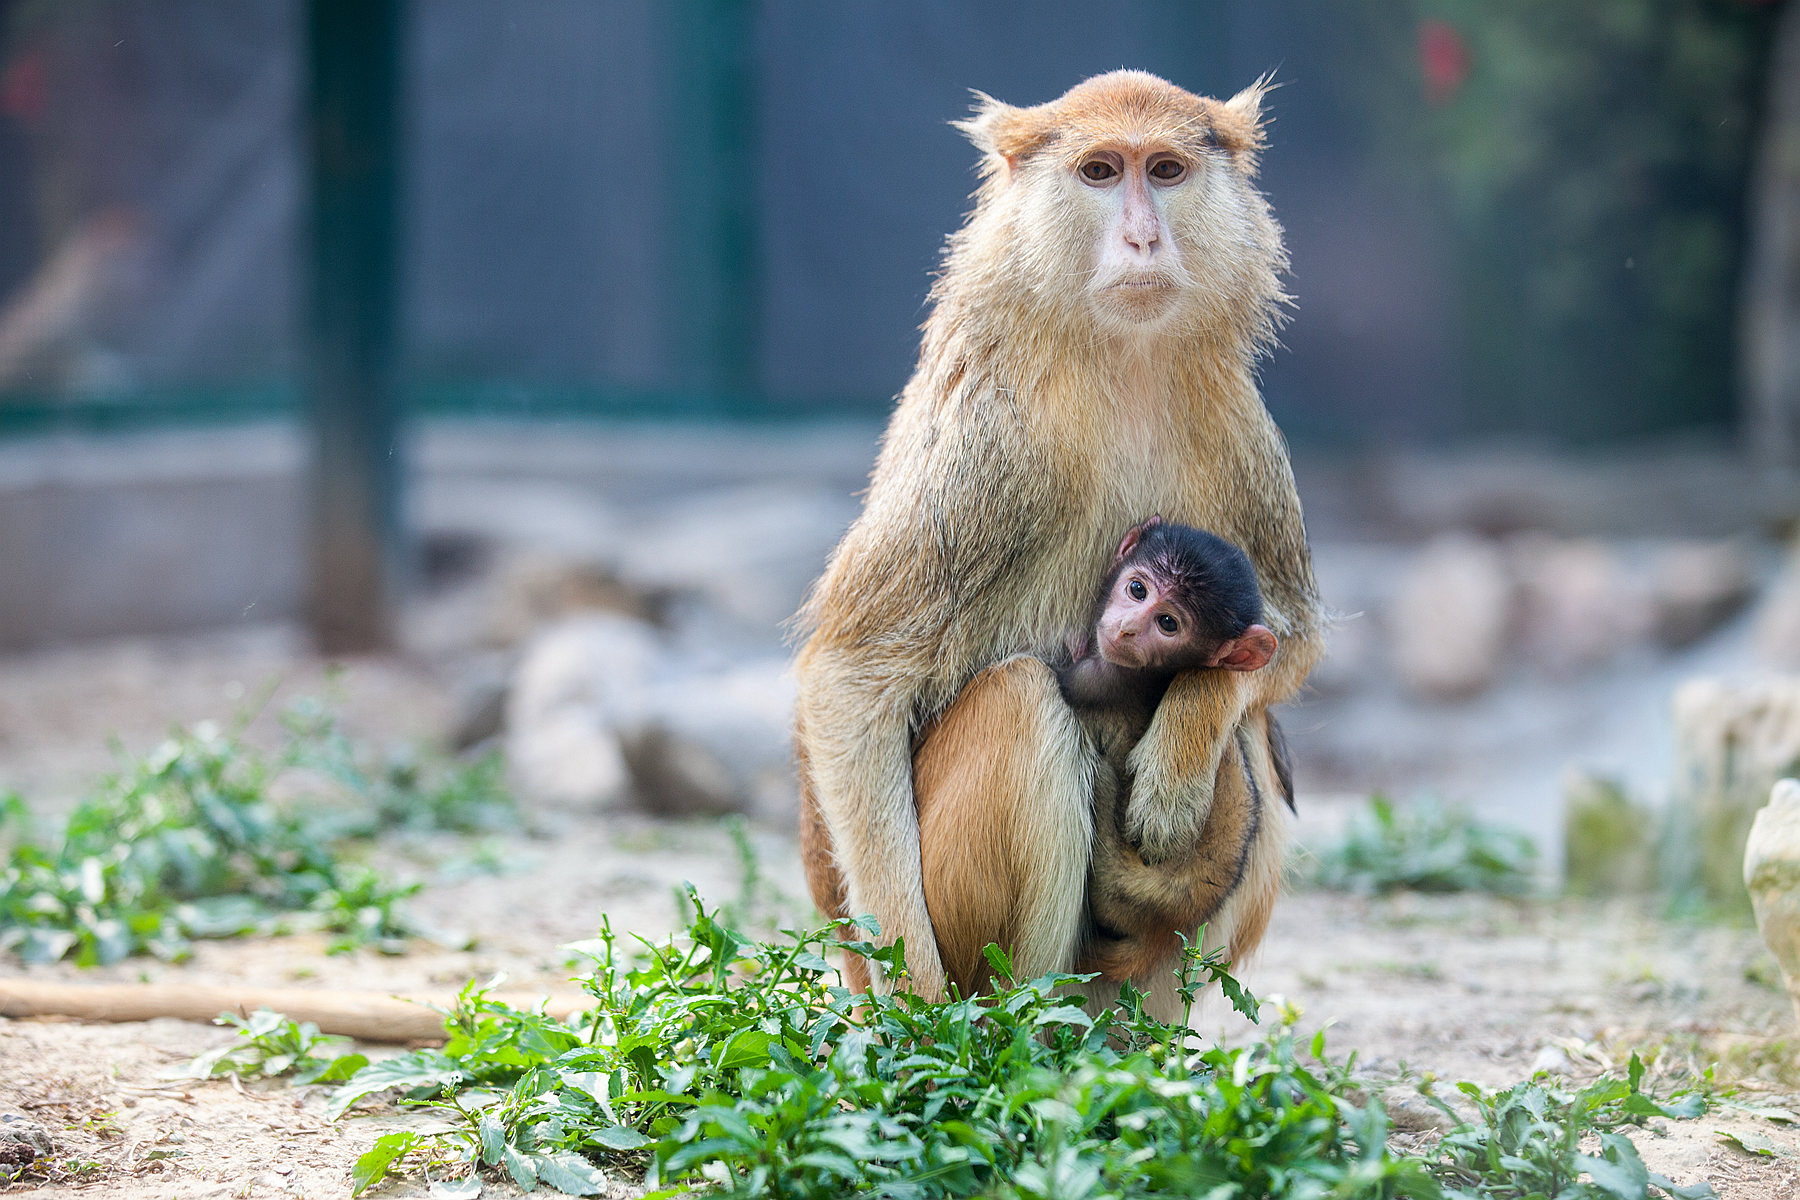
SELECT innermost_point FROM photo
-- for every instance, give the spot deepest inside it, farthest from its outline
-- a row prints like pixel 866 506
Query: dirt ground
pixel 1450 988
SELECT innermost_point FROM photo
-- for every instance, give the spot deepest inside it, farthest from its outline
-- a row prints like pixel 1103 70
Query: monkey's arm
pixel 1176 763
pixel 1173 766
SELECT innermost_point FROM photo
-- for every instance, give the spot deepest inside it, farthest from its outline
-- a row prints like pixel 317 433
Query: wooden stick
pixel 366 1016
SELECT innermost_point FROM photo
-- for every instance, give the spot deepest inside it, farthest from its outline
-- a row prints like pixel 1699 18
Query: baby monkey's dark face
pixel 1142 627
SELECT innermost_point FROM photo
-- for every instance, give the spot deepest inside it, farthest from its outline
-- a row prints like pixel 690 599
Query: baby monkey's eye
pixel 1135 589
pixel 1098 170
pixel 1167 170
pixel 1166 623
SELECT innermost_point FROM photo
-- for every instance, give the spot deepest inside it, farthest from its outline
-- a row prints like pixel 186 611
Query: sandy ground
pixel 1451 988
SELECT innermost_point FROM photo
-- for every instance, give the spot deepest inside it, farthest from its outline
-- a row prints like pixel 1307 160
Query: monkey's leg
pixel 823 879
pixel 854 723
pixel 1229 886
pixel 1153 906
pixel 1004 781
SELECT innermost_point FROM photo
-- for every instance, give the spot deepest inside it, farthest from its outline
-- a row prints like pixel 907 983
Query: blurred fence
pixel 1526 220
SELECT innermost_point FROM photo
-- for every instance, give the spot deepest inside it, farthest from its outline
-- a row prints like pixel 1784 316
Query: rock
pixel 1553 1059
pixel 1450 618
pixel 576 685
pixel 1778 620
pixel 716 743
pixel 1733 741
pixel 1772 877
pixel 1609 847
pixel 1412 1113
pixel 529 589
pixel 23 1141
pixel 480 693
pixel 1695 587
pixel 750 552
pixel 1578 604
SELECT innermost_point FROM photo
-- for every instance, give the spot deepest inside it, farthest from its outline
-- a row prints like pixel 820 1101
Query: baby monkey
pixel 1176 599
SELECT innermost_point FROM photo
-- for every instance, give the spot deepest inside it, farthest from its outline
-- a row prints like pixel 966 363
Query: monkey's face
pixel 1137 272
pixel 1141 627
pixel 1132 203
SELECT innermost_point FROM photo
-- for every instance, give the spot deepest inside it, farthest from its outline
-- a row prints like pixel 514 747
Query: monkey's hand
pixel 1175 763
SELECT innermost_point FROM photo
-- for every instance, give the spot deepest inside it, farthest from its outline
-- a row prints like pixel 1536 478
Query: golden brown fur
pixel 1139 913
pixel 1050 410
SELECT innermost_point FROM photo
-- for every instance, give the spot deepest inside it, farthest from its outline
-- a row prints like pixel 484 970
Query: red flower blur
pixel 1444 60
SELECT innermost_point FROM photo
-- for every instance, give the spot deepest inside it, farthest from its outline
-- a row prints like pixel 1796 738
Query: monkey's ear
pixel 1003 131
pixel 1249 651
pixel 1134 535
pixel 1239 122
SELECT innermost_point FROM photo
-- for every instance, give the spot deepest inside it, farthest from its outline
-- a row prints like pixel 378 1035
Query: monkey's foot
pixel 1164 826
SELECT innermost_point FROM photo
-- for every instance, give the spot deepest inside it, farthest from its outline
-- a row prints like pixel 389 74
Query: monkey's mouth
pixel 1137 298
pixel 1121 652
pixel 1140 284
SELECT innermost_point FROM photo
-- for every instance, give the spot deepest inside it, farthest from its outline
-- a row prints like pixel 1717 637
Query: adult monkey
pixel 1089 358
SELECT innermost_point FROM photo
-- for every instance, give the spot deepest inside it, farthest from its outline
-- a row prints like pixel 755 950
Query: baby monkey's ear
pixel 1133 536
pixel 1249 651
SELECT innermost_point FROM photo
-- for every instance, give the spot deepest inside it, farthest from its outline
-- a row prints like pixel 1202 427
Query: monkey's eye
pixel 1168 170
pixel 1136 590
pixel 1166 623
pixel 1098 170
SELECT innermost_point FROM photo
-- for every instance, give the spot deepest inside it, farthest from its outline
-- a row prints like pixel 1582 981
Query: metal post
pixel 352 102
pixel 713 110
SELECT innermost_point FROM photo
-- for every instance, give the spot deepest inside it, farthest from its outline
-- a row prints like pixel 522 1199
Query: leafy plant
pixel 399 791
pixel 188 843
pixel 720 1063
pixel 717 1061
pixel 1427 848
pixel 274 1045
pixel 1527 1142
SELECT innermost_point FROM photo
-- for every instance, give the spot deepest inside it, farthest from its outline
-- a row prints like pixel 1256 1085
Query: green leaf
pixel 421 1068
pixel 373 1166
pixel 522 1167
pixel 570 1173
pixel 493 1139
pixel 1620 1172
pixel 1751 1142
pixel 619 1137
pixel 748 1047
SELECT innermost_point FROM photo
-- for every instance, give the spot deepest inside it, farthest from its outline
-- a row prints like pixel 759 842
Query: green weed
pixel 187 843
pixel 1427 848
pixel 274 1045
pixel 719 1063
pixel 1527 1139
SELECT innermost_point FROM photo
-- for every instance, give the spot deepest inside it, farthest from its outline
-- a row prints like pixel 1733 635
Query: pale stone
pixel 576 685
pixel 1579 606
pixel 1733 740
pixel 1695 587
pixel 1450 619
pixel 530 589
pixel 1778 620
pixel 1772 877
pixel 717 742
